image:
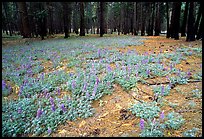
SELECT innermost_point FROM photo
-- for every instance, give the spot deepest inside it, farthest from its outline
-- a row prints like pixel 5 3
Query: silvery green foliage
pixel 49 82
pixel 154 133
pixel 6 89
pixel 198 75
pixel 145 110
pixel 153 128
pixel 191 104
pixel 190 133
pixel 15 123
pixel 158 90
pixel 197 93
pixel 175 121
pixel 126 84
pixel 158 70
pixel 180 79
pixel 173 105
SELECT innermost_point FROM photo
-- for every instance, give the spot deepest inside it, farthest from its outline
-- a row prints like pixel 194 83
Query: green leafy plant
pixel 175 121
pixel 197 93
pixel 162 90
pixel 145 110
pixel 190 133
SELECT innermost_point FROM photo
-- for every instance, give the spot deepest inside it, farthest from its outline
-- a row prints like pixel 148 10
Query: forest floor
pixel 111 117
pixel 110 120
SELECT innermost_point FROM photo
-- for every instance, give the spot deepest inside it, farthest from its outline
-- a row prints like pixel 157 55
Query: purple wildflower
pixel 188 74
pixel 49 130
pixel 95 89
pixel 63 107
pixel 45 92
pixel 142 124
pixel 42 76
pixel 165 68
pixel 154 121
pixel 25 82
pixel 47 95
pixel 117 65
pixel 179 73
pixel 99 52
pixel 39 113
pixel 129 69
pixel 148 72
pixel 97 80
pixel 73 84
pixel 58 91
pixel 160 50
pixel 162 115
pixel 87 94
pixel 109 68
pixel 124 68
pixel 146 53
pixel 51 101
pixel 19 92
pixel 167 77
pixel 136 74
pixel 53 107
pixel 162 90
pixel 19 110
pixel 108 84
pixel 143 61
pixel 84 88
pixel 3 84
pixel 68 98
pixel 29 95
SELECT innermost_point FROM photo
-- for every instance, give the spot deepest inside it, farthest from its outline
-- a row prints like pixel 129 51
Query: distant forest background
pixel 40 19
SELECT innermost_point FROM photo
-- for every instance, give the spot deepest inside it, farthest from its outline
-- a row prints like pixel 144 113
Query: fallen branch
pixel 182 111
pixel 190 81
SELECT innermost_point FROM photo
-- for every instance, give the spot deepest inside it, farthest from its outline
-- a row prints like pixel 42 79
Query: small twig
pixel 182 111
pixel 189 81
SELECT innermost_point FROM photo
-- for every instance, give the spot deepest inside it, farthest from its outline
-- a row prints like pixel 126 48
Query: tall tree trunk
pixel 134 18
pixel 183 27
pixel 50 17
pixel 65 17
pixel 157 22
pixel 82 23
pixel 75 17
pixel 42 21
pixel 200 31
pixel 175 20
pixel 197 21
pixel 152 24
pixel 149 19
pixel 125 18
pixel 98 17
pixel 24 18
pixel 102 6
pixel 143 19
pixel 190 31
pixel 167 18
pixel 5 5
